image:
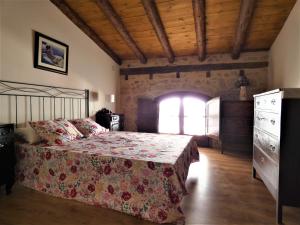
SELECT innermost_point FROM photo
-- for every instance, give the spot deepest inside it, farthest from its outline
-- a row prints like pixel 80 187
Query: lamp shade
pixel 242 80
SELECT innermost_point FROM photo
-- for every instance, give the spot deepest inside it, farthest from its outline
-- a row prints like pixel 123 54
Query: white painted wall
pixel 89 67
pixel 284 67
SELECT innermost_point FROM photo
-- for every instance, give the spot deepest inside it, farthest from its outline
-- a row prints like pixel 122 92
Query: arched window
pixel 182 115
pixel 169 114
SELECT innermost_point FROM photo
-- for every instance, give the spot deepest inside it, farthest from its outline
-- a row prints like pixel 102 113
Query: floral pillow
pixel 88 127
pixel 70 128
pixel 51 132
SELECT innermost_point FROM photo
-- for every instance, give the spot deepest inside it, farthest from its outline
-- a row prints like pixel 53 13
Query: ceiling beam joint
pixel 246 15
pixel 200 27
pixel 72 15
pixel 116 21
pixel 154 17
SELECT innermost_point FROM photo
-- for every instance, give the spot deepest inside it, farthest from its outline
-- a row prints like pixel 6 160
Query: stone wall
pixel 219 83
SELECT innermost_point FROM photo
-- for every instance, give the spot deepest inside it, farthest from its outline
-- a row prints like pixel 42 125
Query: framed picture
pixel 50 54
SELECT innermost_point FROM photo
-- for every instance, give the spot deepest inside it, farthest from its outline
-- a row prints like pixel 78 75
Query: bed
pixel 140 174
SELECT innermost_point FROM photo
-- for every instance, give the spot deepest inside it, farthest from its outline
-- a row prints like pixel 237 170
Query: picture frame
pixel 50 54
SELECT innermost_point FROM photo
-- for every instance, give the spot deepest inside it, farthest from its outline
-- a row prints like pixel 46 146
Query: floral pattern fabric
pixel 51 132
pixel 136 173
pixel 88 127
pixel 70 128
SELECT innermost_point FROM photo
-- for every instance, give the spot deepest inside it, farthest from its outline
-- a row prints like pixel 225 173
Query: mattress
pixel 140 174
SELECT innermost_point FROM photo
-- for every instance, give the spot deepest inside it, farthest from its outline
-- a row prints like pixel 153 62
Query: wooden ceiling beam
pixel 116 21
pixel 191 68
pixel 200 27
pixel 67 11
pixel 154 17
pixel 246 14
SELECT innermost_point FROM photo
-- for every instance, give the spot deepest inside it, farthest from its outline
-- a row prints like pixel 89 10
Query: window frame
pixel 181 95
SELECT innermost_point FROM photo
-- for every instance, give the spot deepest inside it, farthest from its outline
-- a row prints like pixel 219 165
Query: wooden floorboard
pixel 222 192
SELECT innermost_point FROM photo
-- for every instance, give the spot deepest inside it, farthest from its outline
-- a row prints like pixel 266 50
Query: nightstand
pixel 113 122
pixel 7 156
pixel 117 122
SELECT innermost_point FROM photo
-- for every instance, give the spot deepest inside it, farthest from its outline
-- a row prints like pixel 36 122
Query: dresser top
pixel 286 92
pixel 3 125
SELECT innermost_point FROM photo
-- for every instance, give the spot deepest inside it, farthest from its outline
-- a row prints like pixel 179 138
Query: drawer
pixel 269 122
pixel 6 131
pixel 271 102
pixel 7 157
pixel 5 152
pixel 114 127
pixel 6 139
pixel 6 144
pixel 269 169
pixel 267 143
pixel 114 118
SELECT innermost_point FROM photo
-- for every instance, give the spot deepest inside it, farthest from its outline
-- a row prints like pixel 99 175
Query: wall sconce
pixel 94 96
pixel 110 98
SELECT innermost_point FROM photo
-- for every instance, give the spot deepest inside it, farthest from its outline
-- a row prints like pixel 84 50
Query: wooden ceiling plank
pixel 154 17
pixel 120 27
pixel 68 12
pixel 200 27
pixel 246 14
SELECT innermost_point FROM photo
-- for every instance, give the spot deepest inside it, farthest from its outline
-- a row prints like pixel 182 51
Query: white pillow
pixel 28 135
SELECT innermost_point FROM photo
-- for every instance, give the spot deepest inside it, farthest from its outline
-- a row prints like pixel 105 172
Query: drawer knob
pixel 272 147
pixel 273 101
pixel 257 102
pixel 1 145
pixel 262 159
pixel 260 118
pixel 272 121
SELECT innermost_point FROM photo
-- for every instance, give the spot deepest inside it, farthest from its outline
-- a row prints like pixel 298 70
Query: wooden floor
pixel 222 192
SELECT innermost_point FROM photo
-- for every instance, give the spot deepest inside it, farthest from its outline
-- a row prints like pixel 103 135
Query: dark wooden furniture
pixel 121 122
pixel 7 156
pixel 230 124
pixel 114 122
pixel 237 126
pixel 111 121
pixel 276 155
pixel 147 115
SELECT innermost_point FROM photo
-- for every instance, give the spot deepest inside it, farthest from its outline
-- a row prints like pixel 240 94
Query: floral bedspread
pixel 135 173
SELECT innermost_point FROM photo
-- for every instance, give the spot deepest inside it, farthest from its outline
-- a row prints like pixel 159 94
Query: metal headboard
pixel 41 102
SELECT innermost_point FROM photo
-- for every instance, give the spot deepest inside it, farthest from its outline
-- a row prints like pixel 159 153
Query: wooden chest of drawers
pixel 276 150
pixel 7 156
